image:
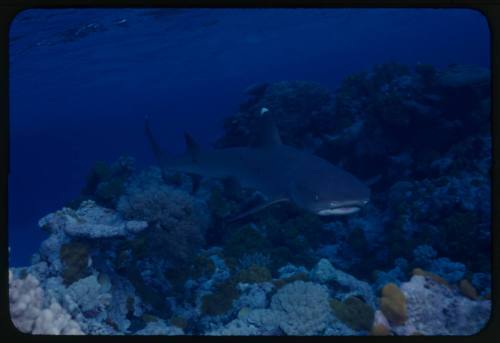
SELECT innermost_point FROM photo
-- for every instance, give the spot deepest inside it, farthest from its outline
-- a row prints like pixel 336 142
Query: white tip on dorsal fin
pixel 267 132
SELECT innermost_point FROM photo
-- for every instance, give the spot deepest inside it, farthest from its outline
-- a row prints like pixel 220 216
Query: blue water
pixel 81 81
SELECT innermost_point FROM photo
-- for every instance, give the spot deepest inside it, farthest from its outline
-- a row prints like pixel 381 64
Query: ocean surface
pixel 399 99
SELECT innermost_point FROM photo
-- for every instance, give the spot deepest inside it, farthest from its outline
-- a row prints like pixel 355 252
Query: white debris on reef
pixel 434 309
pixel 91 221
pixel 32 313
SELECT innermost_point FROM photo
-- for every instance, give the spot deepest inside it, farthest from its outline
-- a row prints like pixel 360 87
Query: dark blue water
pixel 81 81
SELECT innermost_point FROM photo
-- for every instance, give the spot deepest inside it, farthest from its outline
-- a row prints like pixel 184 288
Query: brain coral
pixel 305 308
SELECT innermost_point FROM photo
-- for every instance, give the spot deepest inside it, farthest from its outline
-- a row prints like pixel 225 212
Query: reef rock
pixel 254 295
pixel 324 272
pixel 90 221
pixel 88 293
pixel 160 328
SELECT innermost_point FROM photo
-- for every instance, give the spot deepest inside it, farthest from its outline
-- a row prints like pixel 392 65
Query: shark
pixel 281 172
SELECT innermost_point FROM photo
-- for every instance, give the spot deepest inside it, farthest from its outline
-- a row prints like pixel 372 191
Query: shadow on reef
pixel 152 253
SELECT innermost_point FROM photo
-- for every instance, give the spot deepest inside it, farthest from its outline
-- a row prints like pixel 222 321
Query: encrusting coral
pixel 305 308
pixel 91 221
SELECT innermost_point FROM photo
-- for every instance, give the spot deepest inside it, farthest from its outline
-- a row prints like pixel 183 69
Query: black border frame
pixel 490 9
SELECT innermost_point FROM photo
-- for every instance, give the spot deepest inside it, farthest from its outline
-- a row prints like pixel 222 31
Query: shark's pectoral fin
pixel 255 210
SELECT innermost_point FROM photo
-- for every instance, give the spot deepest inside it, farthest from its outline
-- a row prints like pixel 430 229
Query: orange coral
pixel 393 304
pixel 432 276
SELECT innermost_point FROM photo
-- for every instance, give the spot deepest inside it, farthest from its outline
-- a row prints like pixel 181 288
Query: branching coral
pixel 178 220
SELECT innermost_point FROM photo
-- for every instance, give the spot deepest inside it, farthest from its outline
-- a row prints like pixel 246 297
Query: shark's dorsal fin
pixel 192 148
pixel 267 132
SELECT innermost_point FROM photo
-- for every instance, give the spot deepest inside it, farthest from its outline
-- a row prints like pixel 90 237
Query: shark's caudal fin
pixel 160 155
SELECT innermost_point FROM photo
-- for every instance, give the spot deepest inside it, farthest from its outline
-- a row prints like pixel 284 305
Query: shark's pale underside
pixel 281 172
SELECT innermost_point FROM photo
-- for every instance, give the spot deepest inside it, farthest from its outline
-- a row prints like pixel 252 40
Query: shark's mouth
pixel 339 211
pixel 342 209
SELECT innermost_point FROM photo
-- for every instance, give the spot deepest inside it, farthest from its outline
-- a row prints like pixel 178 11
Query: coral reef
pixel 151 252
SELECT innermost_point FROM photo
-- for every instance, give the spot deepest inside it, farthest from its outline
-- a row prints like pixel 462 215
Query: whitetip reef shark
pixel 279 171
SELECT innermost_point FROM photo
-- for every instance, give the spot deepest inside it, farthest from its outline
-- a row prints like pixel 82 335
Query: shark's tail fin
pixel 157 151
